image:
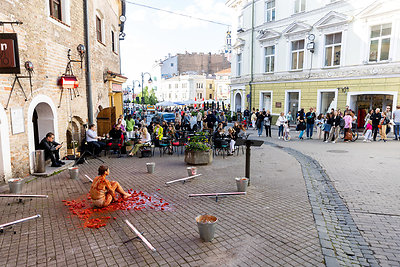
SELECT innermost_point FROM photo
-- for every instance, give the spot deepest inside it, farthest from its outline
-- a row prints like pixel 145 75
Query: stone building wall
pixel 45 42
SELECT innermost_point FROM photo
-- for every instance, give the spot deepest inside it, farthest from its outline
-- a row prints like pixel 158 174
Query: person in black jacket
pixel 51 150
pixel 376 119
pixel 310 119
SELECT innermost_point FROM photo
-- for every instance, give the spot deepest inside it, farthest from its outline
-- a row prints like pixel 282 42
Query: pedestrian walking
pixel 301 123
pixel 289 117
pixel 280 122
pixel 310 120
pixel 267 123
pixel 368 132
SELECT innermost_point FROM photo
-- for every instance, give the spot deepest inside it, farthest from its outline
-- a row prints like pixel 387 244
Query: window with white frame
pixel 55 9
pixel 269 58
pixel 380 42
pixel 239 64
pixel 184 85
pixel 176 85
pixel 270 10
pixel 59 10
pixel 333 49
pixel 299 6
pixel 169 86
pixel 297 55
pixel 240 22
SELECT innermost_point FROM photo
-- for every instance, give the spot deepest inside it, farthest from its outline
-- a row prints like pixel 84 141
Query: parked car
pixel 167 116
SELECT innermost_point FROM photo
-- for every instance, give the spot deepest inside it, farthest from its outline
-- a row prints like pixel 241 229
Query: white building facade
pixel 315 53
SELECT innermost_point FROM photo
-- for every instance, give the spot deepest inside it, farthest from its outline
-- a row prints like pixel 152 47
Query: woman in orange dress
pixel 103 191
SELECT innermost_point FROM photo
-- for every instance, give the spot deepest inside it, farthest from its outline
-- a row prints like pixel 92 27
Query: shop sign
pixel 9 54
pixel 116 87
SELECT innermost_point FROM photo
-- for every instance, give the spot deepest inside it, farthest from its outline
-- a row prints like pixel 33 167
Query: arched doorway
pixel 43 122
pixel 238 102
pixel 42 118
pixel 5 158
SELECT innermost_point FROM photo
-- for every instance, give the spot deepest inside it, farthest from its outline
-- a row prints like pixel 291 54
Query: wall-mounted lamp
pixel 344 89
pixel 29 68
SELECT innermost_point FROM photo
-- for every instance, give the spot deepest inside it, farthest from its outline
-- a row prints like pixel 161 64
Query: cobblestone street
pixel 272 225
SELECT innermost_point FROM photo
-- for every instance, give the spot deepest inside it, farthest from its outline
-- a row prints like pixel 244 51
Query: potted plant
pixel 71 147
pixel 198 151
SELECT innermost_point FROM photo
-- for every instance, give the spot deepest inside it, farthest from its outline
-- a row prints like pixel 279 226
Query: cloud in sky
pixel 151 34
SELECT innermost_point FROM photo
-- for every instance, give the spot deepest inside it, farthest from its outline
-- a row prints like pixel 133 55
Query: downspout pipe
pixel 251 56
pixel 88 69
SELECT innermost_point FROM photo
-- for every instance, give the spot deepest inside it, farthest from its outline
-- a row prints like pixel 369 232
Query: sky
pixel 152 34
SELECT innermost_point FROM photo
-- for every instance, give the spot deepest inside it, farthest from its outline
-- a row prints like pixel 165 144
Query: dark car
pixel 168 117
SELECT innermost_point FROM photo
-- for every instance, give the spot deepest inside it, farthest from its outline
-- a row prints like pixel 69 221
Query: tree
pixel 149 97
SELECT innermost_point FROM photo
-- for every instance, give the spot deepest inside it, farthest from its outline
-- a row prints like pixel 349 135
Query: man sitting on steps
pixel 51 150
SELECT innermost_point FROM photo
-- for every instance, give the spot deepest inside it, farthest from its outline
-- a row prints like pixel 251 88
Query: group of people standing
pixel 328 126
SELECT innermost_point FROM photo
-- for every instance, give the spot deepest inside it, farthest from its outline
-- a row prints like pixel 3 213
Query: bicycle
pixel 354 130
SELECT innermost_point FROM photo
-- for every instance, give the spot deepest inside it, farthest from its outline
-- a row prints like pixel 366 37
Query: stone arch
pixel 238 102
pixel 42 118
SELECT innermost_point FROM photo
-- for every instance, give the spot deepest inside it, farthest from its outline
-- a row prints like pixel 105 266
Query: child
pixel 368 134
pixel 286 131
pixel 327 126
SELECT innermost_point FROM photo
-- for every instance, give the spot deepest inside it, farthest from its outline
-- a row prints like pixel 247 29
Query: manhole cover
pixel 337 151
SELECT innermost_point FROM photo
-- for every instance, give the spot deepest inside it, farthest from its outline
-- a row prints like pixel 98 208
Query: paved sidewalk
pixel 365 176
pixel 272 225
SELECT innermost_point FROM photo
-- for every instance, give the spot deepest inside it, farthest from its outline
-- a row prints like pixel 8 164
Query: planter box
pixel 198 157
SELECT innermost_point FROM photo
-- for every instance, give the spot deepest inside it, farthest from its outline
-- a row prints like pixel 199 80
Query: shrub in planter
pixel 198 153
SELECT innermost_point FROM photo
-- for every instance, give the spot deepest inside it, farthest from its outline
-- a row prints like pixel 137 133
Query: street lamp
pixel 149 81
pixel 133 88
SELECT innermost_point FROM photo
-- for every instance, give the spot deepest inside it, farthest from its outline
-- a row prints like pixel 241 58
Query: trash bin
pixel 150 167
pixel 15 185
pixel 40 162
pixel 73 172
pixel 242 184
pixel 206 225
pixel 191 171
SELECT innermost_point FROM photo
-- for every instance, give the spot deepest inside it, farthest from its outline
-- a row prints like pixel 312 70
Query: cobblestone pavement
pixel 272 225
pixel 364 175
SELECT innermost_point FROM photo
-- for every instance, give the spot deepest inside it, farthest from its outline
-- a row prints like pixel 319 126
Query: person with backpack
pixel 310 119
pixel 301 125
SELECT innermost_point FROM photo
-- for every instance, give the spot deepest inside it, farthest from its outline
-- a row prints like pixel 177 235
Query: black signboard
pixel 9 54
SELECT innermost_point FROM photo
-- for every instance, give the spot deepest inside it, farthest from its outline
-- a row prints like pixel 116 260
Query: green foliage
pixel 149 97
pixel 72 145
pixel 198 146
pixel 199 142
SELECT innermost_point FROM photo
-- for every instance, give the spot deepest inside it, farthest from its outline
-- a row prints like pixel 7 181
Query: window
pixel 270 10
pixel 297 54
pixel 210 86
pixel 239 64
pixel 172 64
pixel 98 29
pixel 55 9
pixel 169 86
pixel 299 6
pixel 184 85
pixel 113 42
pixel 269 58
pixel 176 85
pixel 211 96
pixel 240 22
pixel 333 49
pixel 380 42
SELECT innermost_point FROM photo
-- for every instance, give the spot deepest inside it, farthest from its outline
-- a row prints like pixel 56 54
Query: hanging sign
pixel 9 54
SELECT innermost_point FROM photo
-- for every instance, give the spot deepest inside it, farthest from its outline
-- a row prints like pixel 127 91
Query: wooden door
pixel 105 120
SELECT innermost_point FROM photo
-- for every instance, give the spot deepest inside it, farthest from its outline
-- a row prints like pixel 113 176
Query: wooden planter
pixel 198 157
